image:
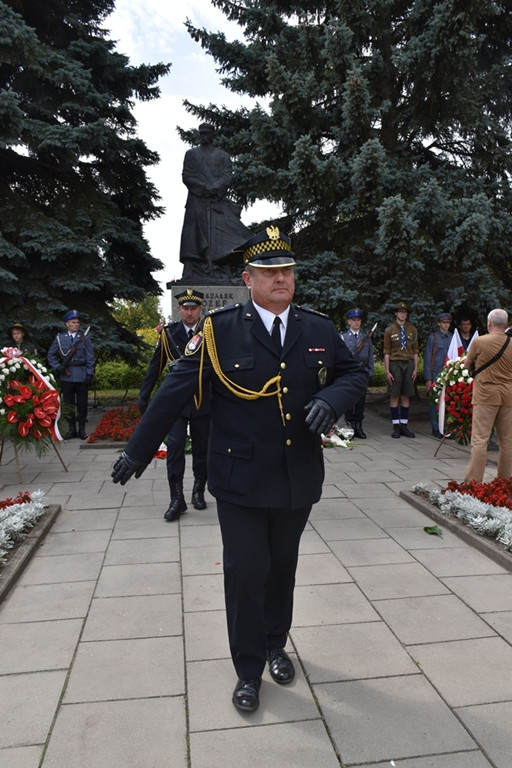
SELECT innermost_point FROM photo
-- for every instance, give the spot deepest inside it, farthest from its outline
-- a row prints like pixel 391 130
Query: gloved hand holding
pixel 142 404
pixel 320 417
pixel 125 467
pixel 89 378
pixel 59 370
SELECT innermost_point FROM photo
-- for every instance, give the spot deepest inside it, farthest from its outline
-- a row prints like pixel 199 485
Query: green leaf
pixel 434 530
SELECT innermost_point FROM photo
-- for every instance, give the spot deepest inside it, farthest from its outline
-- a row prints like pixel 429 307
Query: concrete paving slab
pixel 210 687
pixel 455 760
pixel 417 538
pixel 204 592
pixel 140 528
pixel 337 509
pixel 38 646
pixel 379 582
pixel 331 604
pixel 432 619
pixel 396 518
pixel 73 543
pixel 115 618
pixel 117 734
pixel 27 705
pixel 60 568
pixel 312 543
pixel 388 719
pixel 21 757
pixel 139 579
pixel 350 652
pixel 202 560
pixel 206 636
pixel 126 669
pixel 355 528
pixel 365 491
pixel 468 672
pixel 483 594
pixel 85 520
pixel 459 561
pixel 490 723
pixel 163 549
pixel 200 535
pixel 273 746
pixel 321 569
pixel 47 602
pixel 370 552
pixel 501 622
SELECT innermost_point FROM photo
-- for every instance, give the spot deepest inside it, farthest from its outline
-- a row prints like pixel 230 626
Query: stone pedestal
pixel 215 296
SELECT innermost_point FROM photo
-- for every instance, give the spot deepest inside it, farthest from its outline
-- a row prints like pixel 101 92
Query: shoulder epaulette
pixel 313 311
pixel 225 308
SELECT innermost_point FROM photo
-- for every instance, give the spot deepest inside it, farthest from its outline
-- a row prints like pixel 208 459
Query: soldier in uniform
pixel 361 346
pixel 170 347
pixel 280 377
pixel 401 363
pixel 71 356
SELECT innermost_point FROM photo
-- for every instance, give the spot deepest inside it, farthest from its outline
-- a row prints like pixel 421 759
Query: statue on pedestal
pixel 212 226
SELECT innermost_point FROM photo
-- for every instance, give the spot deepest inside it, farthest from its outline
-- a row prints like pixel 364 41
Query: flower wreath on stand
pixel 29 402
pixel 453 390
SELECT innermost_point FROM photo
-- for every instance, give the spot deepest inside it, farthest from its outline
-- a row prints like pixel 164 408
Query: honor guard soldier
pixel 170 347
pixel 401 363
pixel 71 357
pixel 280 377
pixel 435 356
pixel 361 346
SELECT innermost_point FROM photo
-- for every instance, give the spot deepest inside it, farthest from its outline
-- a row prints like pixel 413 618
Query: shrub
pixel 116 374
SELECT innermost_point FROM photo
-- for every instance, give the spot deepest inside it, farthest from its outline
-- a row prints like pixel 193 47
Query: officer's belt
pixel 76 363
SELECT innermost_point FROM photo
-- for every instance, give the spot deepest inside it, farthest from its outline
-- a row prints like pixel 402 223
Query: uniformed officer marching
pixel 171 345
pixel 280 377
pixel 75 374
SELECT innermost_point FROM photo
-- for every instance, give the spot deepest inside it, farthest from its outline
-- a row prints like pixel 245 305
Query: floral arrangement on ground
pixel 339 437
pixel 117 424
pixel 17 517
pixel 485 507
pixel 29 402
pixel 455 385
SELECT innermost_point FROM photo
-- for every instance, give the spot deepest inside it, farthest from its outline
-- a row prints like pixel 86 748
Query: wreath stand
pixel 17 457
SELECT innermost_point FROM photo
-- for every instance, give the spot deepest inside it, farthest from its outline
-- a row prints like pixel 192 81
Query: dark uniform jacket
pixel 259 455
pixel 81 366
pixel 177 339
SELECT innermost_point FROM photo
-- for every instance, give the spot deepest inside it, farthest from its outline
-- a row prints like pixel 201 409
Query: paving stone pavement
pixel 113 643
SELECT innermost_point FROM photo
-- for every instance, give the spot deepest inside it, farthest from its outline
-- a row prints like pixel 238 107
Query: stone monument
pixel 211 226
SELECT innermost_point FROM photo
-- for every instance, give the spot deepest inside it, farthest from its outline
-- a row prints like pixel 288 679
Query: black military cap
pixel 269 248
pixel 190 298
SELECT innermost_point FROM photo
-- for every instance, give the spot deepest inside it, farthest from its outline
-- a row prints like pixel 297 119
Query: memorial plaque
pixel 215 296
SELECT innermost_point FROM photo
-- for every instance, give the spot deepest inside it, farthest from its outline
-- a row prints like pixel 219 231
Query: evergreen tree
pixel 383 127
pixel 74 193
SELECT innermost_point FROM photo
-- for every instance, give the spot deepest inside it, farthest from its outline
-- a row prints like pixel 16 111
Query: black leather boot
pixel 178 504
pixel 71 433
pixel 359 431
pixel 198 501
pixel 81 431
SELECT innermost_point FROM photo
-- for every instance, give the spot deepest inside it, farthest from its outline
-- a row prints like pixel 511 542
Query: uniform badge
pixel 322 376
pixel 193 344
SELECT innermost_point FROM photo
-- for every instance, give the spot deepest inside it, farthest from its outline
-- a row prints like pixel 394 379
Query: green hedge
pixel 116 374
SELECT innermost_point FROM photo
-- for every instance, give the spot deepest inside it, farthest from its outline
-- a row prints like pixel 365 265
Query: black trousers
pixel 261 548
pixel 356 413
pixel 176 441
pixel 74 394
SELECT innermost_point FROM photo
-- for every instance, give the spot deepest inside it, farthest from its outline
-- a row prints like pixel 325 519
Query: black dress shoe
pixel 70 434
pixel 406 432
pixel 280 666
pixel 396 431
pixel 438 434
pixel 246 695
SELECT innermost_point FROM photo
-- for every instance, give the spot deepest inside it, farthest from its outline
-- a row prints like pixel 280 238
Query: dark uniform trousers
pixel 199 420
pixel 265 467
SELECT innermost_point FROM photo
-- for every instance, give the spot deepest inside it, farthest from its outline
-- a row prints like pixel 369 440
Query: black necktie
pixel 356 337
pixel 190 332
pixel 276 333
